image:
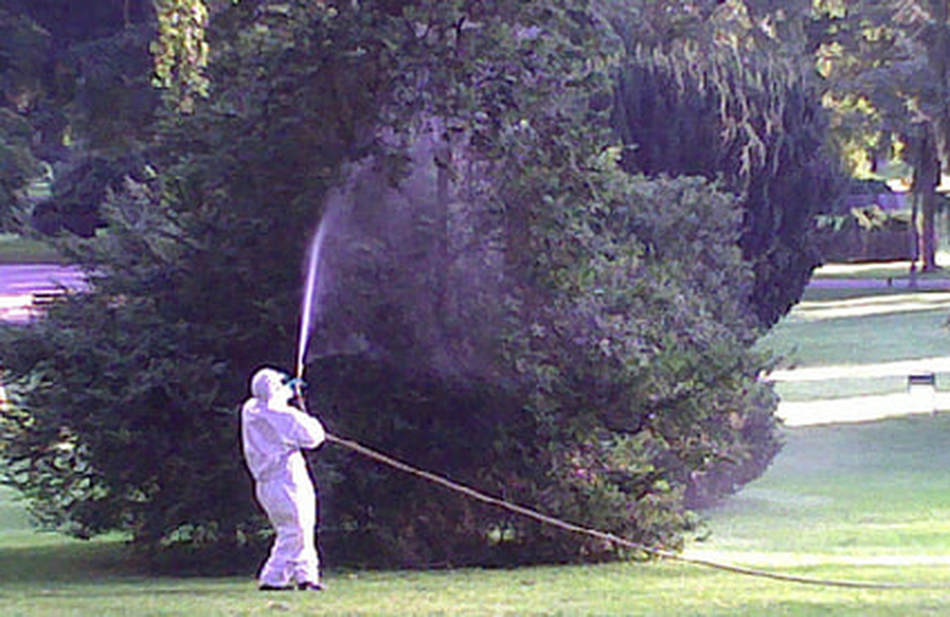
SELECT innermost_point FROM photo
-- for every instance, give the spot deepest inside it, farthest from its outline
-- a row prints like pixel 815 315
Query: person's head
pixel 269 384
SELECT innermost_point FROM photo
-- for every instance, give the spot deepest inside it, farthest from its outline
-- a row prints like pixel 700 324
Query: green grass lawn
pixel 895 270
pixel 16 249
pixel 862 502
pixel 863 330
pixel 854 327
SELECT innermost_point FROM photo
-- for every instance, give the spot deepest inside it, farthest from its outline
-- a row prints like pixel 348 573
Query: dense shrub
pixel 864 234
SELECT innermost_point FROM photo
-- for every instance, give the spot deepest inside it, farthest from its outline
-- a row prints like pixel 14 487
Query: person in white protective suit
pixel 273 433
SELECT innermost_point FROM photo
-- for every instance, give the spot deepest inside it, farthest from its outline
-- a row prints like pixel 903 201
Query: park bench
pixel 43 298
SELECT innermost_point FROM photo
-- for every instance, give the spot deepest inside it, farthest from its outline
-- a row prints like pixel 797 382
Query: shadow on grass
pixel 829 294
pixel 69 561
pixel 134 587
pixel 103 569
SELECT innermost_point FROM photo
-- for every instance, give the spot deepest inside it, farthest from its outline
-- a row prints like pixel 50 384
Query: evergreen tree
pixel 724 107
pixel 604 364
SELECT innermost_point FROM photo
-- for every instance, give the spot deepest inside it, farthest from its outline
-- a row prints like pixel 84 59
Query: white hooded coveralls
pixel 272 434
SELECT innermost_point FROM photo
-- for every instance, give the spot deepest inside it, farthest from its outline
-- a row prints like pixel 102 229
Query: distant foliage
pixel 17 167
pixel 181 51
pixel 23 47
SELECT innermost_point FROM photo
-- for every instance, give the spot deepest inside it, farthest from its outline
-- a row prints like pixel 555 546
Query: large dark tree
pixel 503 303
pixel 709 99
pixel 887 71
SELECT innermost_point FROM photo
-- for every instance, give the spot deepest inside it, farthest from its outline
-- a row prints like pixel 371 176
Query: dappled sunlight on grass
pixel 902 368
pixel 810 310
pixel 847 359
pixel 859 339
pixel 880 270
pixel 861 502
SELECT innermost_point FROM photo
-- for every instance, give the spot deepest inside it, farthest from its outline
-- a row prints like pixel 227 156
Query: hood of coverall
pixel 267 384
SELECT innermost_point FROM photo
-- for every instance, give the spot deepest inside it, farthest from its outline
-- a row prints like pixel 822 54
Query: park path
pixel 20 282
pixel 918 400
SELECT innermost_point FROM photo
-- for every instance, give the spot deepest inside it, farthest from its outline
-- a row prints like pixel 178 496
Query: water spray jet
pixel 309 293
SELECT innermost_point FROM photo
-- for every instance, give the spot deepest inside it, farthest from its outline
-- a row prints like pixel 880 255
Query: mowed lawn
pixel 15 249
pixel 863 502
pixel 858 502
pixel 862 337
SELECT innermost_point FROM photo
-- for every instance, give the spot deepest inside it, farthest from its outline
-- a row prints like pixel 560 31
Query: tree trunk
pixel 443 162
pixel 935 143
pixel 914 236
pixel 926 179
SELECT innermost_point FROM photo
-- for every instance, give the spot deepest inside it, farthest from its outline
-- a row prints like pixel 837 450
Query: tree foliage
pixel 77 83
pixel 502 302
pixel 741 113
pixel 181 52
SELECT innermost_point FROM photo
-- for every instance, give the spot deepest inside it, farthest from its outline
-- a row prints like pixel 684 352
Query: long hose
pixel 595 533
pixel 609 537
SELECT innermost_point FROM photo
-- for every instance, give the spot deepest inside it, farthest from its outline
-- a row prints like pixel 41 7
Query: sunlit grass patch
pixel 868 305
pixel 843 387
pixel 896 270
pixel 864 339
pixel 17 249
pixel 869 497
pixel 13 516
pixel 845 355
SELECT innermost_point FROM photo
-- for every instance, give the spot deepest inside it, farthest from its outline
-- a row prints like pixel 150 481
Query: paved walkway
pixel 862 408
pixel 901 368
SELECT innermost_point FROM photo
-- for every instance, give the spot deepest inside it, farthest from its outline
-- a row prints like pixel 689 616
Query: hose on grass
pixel 609 537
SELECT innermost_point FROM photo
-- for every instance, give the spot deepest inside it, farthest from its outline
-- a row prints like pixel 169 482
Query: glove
pixel 297 384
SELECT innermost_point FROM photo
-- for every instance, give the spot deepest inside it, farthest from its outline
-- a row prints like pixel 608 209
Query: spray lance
pixel 306 313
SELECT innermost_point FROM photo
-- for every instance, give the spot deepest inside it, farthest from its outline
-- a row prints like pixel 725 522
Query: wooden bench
pixel 43 298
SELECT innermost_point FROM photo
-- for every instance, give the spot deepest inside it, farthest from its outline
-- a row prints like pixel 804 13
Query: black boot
pixel 310 586
pixel 266 587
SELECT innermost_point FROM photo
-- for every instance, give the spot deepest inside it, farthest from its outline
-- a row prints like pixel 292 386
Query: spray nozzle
pixel 296 383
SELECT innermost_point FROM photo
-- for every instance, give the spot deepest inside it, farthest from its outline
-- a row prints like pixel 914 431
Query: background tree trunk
pixel 926 179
